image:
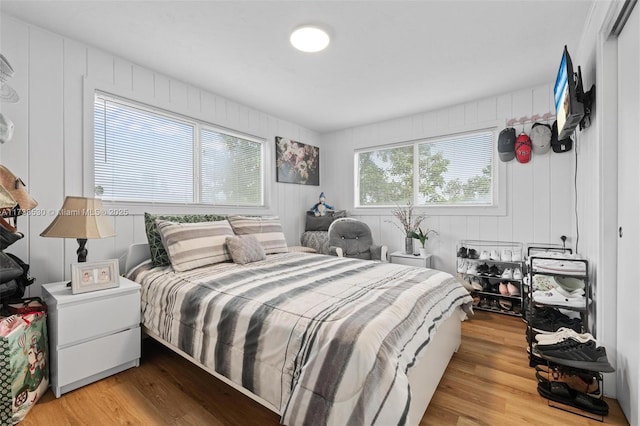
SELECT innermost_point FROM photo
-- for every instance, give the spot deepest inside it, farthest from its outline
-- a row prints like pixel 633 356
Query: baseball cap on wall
pixel 563 145
pixel 540 138
pixel 523 148
pixel 507 144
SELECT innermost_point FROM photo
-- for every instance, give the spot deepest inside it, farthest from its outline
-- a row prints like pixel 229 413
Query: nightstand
pixel 91 335
pixel 402 258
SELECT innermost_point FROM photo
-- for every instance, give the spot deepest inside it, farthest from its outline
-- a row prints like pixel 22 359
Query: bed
pixel 317 339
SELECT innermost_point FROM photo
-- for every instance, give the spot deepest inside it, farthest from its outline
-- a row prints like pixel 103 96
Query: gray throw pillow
pixel 245 249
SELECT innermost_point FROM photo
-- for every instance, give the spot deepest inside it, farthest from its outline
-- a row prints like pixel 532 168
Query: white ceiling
pixel 386 58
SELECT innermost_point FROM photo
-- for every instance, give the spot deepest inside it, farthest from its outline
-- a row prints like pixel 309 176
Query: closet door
pixel 628 316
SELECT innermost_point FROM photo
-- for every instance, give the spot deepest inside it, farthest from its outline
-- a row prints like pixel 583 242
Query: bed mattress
pixel 325 340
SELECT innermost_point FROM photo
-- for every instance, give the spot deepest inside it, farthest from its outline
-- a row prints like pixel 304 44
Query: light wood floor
pixel 488 382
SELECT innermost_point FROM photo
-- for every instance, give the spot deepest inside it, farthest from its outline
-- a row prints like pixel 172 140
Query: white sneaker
pixel 495 255
pixel 516 255
pixel 517 274
pixel 553 297
pixel 563 333
pixel 505 256
pixel 484 255
pixel 507 273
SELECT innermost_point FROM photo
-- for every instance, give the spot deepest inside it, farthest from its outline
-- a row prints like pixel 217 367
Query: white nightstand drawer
pixel 87 359
pixel 401 258
pixel 98 317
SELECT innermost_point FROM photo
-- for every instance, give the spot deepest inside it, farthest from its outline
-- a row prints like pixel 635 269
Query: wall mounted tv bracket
pixel 587 99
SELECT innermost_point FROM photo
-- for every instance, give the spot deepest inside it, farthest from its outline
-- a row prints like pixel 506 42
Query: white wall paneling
pixel 531 189
pixel 52 140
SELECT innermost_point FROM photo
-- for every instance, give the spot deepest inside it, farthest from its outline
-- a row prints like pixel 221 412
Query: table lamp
pixel 80 218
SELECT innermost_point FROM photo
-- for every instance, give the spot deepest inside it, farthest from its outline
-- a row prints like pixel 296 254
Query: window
pixel 449 171
pixel 142 154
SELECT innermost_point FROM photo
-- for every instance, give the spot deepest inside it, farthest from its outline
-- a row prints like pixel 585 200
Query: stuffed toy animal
pixel 321 208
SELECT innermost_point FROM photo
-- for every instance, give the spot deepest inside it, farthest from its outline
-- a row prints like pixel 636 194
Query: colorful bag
pixel 24 365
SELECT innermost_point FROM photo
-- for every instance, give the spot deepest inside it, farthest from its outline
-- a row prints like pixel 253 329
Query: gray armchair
pixel 349 237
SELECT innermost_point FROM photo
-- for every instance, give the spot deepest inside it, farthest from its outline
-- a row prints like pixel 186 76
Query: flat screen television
pixel 569 110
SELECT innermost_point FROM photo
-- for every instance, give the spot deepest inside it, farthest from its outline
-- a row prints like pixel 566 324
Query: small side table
pixel 91 335
pixel 402 258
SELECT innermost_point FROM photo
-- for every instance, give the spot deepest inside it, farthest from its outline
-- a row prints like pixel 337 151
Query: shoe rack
pixel 496 271
pixel 547 314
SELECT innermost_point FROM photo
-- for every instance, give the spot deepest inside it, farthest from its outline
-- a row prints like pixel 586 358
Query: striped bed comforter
pixel 326 340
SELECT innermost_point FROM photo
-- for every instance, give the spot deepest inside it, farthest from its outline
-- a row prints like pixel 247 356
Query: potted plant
pixel 409 223
pixel 422 237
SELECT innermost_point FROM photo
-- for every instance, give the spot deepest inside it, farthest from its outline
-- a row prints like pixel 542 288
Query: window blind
pixel 455 170
pixel 141 155
pixel 231 169
pixel 148 155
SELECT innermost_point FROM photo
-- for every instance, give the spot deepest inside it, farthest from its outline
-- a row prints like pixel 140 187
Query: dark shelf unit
pixel 534 253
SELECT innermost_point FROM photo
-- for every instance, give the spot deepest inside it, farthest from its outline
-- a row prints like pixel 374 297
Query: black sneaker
pixel 551 324
pixel 585 356
pixel 473 254
pixel 483 269
pixel 494 271
pixel 462 252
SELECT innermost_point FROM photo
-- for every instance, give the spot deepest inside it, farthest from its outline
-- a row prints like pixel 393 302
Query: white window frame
pixel 499 187
pixel 90 87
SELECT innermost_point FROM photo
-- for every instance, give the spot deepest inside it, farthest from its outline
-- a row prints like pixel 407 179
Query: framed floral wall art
pixel 297 162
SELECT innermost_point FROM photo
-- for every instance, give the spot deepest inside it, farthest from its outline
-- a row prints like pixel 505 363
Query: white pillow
pixel 267 229
pixel 192 245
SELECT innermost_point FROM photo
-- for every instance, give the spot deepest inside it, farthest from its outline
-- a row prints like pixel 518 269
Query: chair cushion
pixel 353 236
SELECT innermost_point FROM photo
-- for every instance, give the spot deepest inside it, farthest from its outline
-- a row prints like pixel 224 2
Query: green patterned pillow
pixel 159 256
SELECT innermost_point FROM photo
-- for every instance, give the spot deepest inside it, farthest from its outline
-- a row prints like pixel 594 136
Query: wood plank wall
pixel 539 194
pixel 49 143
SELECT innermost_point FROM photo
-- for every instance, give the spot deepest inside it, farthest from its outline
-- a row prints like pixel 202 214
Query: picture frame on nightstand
pixel 92 276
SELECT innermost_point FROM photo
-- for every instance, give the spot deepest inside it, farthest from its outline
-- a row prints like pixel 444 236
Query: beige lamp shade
pixel 80 218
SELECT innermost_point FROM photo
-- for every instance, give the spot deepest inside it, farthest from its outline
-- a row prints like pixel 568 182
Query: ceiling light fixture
pixel 309 39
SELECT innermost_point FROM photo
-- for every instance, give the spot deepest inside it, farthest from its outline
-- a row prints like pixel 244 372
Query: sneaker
pixel 495 255
pixel 484 303
pixel 505 255
pixel 517 274
pixel 503 289
pixel 507 273
pixel 484 255
pixel 563 334
pixel 579 381
pixel 476 284
pixel 494 305
pixel 585 356
pixel 494 271
pixel 548 320
pixel 516 255
pixel 505 304
pixel 462 252
pixel 483 269
pixel 513 289
pixel 553 297
pixel 473 253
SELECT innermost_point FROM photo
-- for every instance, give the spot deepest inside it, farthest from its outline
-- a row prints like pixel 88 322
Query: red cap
pixel 523 148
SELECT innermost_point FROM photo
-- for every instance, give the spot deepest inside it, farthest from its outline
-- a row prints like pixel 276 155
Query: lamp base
pixel 82 251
